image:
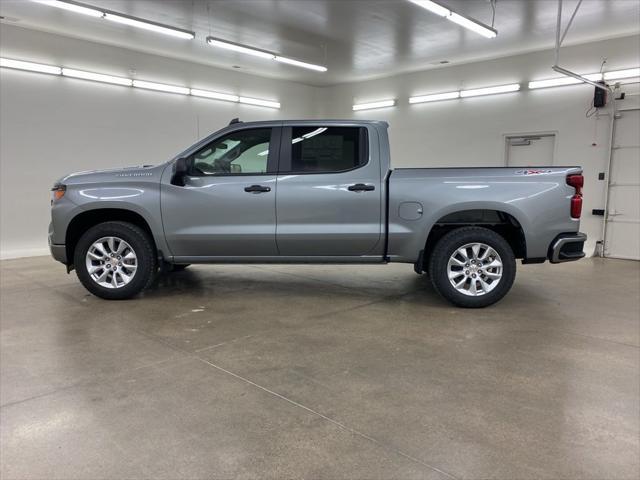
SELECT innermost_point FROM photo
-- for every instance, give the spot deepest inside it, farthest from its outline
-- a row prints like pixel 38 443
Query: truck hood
pixel 140 172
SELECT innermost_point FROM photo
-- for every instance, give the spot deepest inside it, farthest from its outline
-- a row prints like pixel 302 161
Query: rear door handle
pixel 257 189
pixel 361 187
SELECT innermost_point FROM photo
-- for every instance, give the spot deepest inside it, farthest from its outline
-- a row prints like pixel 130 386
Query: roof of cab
pixel 239 122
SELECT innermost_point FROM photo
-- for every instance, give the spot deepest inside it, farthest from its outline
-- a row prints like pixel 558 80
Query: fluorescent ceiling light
pixel 154 27
pixel 215 42
pixel 454 17
pixel 558 82
pixel 514 87
pixel 473 25
pixel 96 77
pixel 32 67
pixel 160 87
pixel 236 47
pixel 119 18
pixel 619 74
pixel 433 7
pixel 215 95
pixel 72 7
pixel 260 103
pixel 369 106
pixel 435 97
pixel 298 63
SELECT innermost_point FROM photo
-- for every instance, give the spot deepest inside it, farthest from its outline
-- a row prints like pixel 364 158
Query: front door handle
pixel 361 187
pixel 257 189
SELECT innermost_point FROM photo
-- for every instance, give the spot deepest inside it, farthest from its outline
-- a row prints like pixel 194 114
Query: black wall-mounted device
pixel 600 97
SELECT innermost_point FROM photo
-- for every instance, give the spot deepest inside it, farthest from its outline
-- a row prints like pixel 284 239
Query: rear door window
pixel 327 149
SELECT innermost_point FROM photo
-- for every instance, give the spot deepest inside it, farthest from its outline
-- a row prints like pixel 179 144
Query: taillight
pixel 577 182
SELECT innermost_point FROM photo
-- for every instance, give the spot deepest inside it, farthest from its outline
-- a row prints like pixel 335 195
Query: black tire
pixel 445 248
pixel 144 250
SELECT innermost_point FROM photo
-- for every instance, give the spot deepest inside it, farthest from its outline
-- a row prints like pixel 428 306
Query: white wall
pixel 469 132
pixel 50 126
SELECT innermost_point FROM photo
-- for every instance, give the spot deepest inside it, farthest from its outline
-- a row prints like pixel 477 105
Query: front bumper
pixel 58 252
pixel 567 247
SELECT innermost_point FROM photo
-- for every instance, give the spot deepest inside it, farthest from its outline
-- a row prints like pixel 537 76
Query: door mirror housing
pixel 180 168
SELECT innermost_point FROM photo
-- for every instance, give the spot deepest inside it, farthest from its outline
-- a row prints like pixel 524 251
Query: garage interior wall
pixel 50 126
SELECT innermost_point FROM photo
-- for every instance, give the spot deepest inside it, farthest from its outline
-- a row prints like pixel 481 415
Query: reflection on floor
pixel 320 372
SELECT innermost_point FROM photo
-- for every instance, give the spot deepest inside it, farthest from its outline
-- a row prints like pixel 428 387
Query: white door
pixel 530 150
pixel 622 239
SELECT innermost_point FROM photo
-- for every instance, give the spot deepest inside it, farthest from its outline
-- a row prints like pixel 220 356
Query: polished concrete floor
pixel 320 372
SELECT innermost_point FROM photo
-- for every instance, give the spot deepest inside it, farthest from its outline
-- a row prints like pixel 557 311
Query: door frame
pixel 272 169
pixel 607 196
pixel 544 133
pixel 370 158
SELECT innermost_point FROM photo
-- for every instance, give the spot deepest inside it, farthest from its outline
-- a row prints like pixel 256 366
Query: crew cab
pixel 314 191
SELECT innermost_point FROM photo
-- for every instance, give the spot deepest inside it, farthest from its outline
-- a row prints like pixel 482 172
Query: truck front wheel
pixel 115 260
pixel 472 267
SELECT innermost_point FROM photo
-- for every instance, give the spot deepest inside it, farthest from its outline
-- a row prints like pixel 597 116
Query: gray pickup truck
pixel 313 191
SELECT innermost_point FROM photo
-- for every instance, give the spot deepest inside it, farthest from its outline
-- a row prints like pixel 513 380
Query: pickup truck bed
pixel 528 198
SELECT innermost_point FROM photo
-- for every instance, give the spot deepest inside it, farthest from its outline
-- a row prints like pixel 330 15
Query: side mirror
pixel 180 168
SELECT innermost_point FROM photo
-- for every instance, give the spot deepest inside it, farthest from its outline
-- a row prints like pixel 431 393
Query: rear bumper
pixel 567 247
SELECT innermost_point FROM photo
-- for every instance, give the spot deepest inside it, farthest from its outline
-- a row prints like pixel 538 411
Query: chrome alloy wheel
pixel 111 262
pixel 475 269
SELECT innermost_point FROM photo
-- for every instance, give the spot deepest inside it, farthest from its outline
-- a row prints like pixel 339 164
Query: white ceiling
pixel 355 39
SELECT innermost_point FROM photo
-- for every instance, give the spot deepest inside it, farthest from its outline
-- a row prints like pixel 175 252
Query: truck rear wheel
pixel 472 267
pixel 115 260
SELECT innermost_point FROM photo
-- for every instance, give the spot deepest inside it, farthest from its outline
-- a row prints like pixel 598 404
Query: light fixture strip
pixel 258 102
pixel 433 7
pixel 99 77
pixel 236 47
pixel 256 52
pixel 436 97
pixel 562 81
pixel 476 92
pixel 215 95
pixel 128 82
pixel 298 63
pixel 473 25
pixel 72 7
pixel 96 77
pixel 147 25
pixel 160 87
pixel 30 66
pixel 462 20
pixel 621 74
pixel 119 18
pixel 372 105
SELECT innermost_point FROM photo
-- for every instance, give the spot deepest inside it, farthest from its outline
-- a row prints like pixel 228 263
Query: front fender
pixel 108 190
